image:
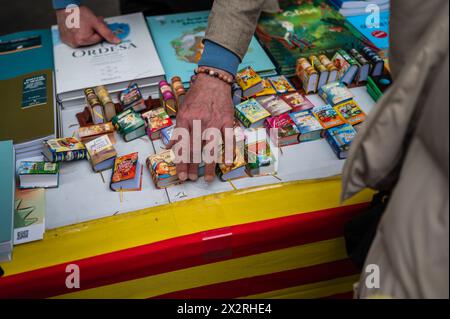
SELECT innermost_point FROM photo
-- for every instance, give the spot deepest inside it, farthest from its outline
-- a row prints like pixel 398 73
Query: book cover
pixel 340 138
pixel 267 89
pixel 100 150
pixel 64 150
pixel 327 116
pixel 335 93
pixel 285 125
pixel 297 102
pixel 308 75
pixel 163 169
pixel 157 119
pixel 351 112
pixel 302 29
pixel 236 171
pixel 274 105
pixel 309 127
pixel 179 41
pixel 134 59
pixel 38 168
pixel 29 215
pixel 7 186
pixel 249 81
pixel 125 168
pixel 128 122
pixel 281 84
pixel 250 112
pixel 88 133
pixel 379 35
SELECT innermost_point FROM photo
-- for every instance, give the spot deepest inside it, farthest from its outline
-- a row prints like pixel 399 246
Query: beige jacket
pixel 411 247
pixel 232 23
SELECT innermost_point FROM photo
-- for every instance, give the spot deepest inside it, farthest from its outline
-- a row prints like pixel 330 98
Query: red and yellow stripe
pixel 277 241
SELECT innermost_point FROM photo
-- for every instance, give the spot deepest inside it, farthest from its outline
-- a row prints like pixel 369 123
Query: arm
pixel 92 29
pixel 232 24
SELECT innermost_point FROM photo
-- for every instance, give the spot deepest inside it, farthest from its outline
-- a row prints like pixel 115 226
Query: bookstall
pixel 277 234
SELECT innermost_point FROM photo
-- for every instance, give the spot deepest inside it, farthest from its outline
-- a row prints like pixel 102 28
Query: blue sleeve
pixel 62 4
pixel 216 56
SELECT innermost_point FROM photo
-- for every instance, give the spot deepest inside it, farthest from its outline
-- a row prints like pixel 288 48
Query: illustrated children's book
pixel 101 153
pixel 38 174
pixel 335 93
pixel 157 119
pixel 347 66
pixel 310 129
pixel 340 139
pixel 129 124
pixel 297 102
pixel 250 82
pixel 29 215
pixel 89 133
pixel 281 84
pixel 64 150
pixel 127 174
pixel 251 114
pixel 351 112
pixel 236 171
pixel 274 105
pixel 163 169
pixel 327 116
pixel 288 133
pixel 267 90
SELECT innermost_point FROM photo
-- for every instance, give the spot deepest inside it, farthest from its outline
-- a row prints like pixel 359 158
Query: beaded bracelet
pixel 225 78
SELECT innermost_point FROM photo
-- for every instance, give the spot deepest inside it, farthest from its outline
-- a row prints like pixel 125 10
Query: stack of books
pixel 133 60
pixel 7 185
pixel 27 89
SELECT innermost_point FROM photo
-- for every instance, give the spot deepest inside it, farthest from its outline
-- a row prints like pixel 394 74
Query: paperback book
pixel 38 174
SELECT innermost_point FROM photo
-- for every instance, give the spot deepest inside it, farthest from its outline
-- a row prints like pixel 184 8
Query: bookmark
pixel 232 185
pixel 103 179
pixel 275 175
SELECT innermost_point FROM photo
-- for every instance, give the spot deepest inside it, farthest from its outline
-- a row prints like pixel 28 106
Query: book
pixel 107 102
pixel 327 116
pixel 29 215
pixel 65 149
pixel 133 60
pixel 127 174
pixel 321 69
pixel 288 133
pixel 7 186
pixel 91 132
pixel 236 171
pixel 308 75
pixel 179 90
pixel 129 124
pixel 237 94
pixel 163 169
pixel 274 105
pixel 364 66
pixel 166 134
pixel 297 102
pixel 258 155
pixel 351 112
pixel 95 106
pixel 301 29
pixel 268 89
pixel 347 66
pixel 38 174
pixel 250 82
pixel 309 127
pixel 376 61
pixel 340 138
pixel 179 41
pixel 167 98
pixel 333 72
pixel 157 119
pixel 251 114
pixel 281 84
pixel 132 97
pixel 335 93
pixel 377 35
pixel 355 8
pixel 101 153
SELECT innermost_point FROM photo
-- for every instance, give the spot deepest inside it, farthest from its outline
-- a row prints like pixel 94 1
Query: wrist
pixel 212 72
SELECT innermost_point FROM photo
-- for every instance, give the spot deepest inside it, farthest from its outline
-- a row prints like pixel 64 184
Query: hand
pixel 209 101
pixel 92 29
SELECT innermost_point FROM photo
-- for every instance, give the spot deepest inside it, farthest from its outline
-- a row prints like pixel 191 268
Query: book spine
pixel 95 107
pixel 308 75
pixel 179 90
pixel 241 117
pixel 105 99
pixel 167 98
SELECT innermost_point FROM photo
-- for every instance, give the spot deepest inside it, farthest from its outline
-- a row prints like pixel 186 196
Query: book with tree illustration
pixel 29 215
pixel 304 28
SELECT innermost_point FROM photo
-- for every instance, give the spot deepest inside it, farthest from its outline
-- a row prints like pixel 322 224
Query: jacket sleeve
pixel 62 4
pixel 232 23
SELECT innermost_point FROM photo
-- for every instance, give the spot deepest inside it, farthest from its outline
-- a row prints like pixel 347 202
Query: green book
pixel 7 186
pixel 38 174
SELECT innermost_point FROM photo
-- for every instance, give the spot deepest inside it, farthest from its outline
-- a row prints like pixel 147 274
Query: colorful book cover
pixel 29 215
pixel 310 129
pixel 341 64
pixel 66 144
pixel 100 150
pixel 179 41
pixel 38 168
pixel 163 169
pixel 267 90
pixel 130 122
pixel 274 105
pixel 302 29
pixel 297 102
pixel 281 84
pixel 378 35
pixel 327 116
pixel 351 112
pixel 335 93
pixel 340 138
pixel 125 168
pixel 239 162
pixel 250 112
pixel 248 78
pixel 157 120
pixel 285 125
pixel 92 131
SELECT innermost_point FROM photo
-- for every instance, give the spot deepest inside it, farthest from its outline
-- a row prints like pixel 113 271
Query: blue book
pixel 25 52
pixel 7 188
pixel 378 36
pixel 178 40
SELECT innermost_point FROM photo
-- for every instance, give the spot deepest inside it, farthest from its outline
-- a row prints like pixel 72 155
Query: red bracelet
pixel 225 78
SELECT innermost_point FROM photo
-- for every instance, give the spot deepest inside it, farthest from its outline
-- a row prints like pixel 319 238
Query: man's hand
pixel 92 29
pixel 209 101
